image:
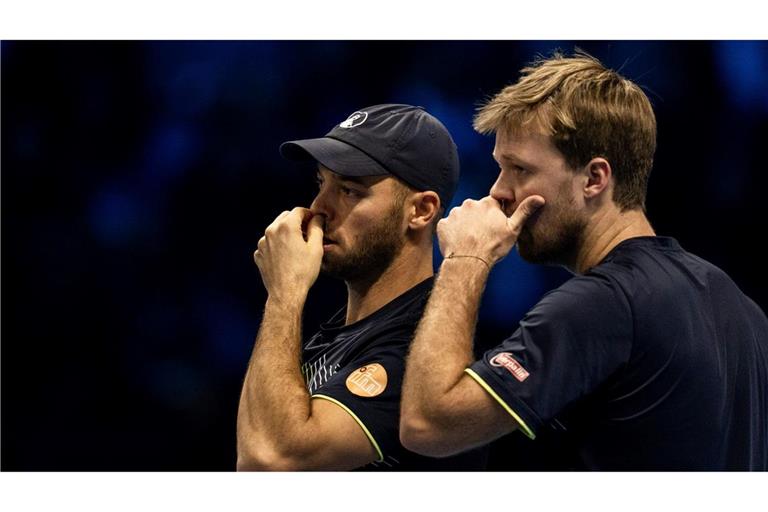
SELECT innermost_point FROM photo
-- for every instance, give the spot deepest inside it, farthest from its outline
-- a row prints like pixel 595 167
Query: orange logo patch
pixel 367 381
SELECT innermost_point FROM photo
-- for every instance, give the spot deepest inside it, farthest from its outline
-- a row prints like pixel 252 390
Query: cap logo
pixel 505 360
pixel 367 381
pixel 356 119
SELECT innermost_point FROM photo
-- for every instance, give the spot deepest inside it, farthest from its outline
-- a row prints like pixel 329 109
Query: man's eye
pixel 515 168
pixel 347 191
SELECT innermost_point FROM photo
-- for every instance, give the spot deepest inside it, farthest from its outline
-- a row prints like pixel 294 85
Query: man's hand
pixel 288 262
pixel 480 228
pixel 279 425
pixel 444 411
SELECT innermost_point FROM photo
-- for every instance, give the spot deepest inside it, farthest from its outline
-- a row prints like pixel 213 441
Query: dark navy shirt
pixel 652 360
pixel 360 368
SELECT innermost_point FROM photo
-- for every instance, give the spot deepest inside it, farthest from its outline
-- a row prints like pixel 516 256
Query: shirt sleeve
pixel 368 388
pixel 563 349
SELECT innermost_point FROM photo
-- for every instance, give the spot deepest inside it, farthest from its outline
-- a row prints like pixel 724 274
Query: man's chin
pixel 527 254
pixel 337 268
pixel 525 247
pixel 530 253
pixel 330 267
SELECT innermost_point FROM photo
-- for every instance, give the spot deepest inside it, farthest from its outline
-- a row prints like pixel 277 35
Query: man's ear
pixel 425 206
pixel 598 175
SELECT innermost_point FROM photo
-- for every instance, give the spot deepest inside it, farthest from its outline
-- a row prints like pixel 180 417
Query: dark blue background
pixel 137 178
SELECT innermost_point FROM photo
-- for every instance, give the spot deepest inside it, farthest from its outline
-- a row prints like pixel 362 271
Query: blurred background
pixel 137 178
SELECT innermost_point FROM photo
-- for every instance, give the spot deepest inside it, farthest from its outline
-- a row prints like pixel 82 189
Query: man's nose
pixel 320 206
pixel 502 190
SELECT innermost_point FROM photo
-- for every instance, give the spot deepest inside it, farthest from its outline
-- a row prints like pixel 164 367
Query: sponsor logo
pixel 505 360
pixel 356 119
pixel 367 381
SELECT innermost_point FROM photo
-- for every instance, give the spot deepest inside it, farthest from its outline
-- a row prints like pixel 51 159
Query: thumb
pixel 523 212
pixel 315 230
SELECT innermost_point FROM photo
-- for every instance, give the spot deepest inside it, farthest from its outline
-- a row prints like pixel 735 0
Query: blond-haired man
pixel 648 358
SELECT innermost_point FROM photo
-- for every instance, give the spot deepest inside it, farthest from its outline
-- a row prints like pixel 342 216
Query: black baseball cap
pixel 401 140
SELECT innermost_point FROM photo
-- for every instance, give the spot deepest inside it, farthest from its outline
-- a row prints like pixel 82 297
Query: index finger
pixel 299 215
pixel 315 230
pixel 491 200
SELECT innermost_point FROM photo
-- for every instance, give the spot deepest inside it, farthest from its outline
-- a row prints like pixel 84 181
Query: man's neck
pixel 607 230
pixel 412 266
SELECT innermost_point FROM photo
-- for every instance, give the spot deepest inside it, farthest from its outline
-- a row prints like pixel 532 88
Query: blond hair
pixel 589 111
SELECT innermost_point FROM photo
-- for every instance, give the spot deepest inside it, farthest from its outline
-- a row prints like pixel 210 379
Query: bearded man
pixel 385 175
pixel 649 358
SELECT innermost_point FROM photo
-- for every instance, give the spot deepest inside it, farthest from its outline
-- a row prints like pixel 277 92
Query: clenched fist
pixel 289 261
pixel 482 230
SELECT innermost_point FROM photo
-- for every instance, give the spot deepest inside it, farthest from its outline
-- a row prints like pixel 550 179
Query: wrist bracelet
pixel 468 256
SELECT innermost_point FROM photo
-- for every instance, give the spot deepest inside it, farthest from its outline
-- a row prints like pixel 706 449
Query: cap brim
pixel 336 155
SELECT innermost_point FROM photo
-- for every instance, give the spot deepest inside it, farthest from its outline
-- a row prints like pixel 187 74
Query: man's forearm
pixel 442 346
pixel 444 410
pixel 274 403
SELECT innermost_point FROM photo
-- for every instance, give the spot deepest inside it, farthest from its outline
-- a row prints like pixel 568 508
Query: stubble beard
pixel 374 251
pixel 556 237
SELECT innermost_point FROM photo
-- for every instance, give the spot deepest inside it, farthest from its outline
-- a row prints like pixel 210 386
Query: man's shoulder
pixel 656 259
pixel 658 269
pixel 401 314
pixel 387 330
pixel 579 290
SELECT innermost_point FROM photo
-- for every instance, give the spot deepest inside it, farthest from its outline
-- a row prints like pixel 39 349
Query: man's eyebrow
pixel 354 179
pixel 514 158
pixel 363 181
pixel 503 156
pixel 508 156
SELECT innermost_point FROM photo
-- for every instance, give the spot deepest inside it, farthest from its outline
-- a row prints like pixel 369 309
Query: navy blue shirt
pixel 360 368
pixel 652 360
